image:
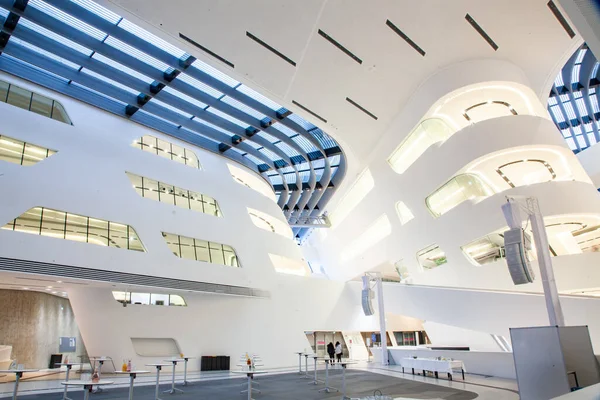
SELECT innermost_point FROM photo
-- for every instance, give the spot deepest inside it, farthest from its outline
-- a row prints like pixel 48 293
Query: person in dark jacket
pixel 331 352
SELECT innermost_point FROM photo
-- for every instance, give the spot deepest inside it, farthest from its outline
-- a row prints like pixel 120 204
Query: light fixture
pixel 59 282
pixel 25 288
pixel 49 287
pixel 53 292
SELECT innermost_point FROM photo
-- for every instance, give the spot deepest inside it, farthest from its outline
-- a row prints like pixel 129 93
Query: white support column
pixel 382 325
pixel 555 314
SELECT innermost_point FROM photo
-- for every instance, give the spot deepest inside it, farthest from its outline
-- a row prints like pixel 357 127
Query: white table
pixel 186 359
pixel 18 374
pixel 174 362
pixel 300 361
pixel 344 364
pixel 316 381
pixel 69 365
pixel 132 375
pixel 306 364
pixel 158 367
pixel 433 365
pixel 250 374
pixel 327 388
pixel 87 386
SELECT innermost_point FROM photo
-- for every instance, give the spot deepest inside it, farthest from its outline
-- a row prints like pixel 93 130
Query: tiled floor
pixel 485 388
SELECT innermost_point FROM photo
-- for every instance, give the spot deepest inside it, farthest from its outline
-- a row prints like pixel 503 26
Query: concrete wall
pixel 33 322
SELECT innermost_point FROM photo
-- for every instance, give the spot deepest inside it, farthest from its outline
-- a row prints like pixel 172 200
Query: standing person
pixel 338 351
pixel 331 352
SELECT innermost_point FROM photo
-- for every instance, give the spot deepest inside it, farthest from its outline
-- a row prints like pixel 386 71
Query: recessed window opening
pixel 526 172
pixel 456 191
pixel 170 194
pixel 360 188
pixel 285 265
pixel 153 299
pixel 22 153
pixel 486 250
pixel 269 223
pixel 431 257
pixel 404 213
pixel 201 250
pixel 62 225
pixel 251 181
pixel 34 102
pixel 167 150
pixel 494 113
pixel 425 135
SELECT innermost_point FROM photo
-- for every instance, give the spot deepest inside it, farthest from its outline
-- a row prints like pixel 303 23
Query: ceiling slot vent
pixel 339 46
pixel 406 38
pixel 480 30
pixel 271 49
pixel 561 19
pixel 204 49
pixel 361 108
pixel 314 114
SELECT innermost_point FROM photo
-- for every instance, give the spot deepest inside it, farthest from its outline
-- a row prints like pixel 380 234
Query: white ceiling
pixel 526 32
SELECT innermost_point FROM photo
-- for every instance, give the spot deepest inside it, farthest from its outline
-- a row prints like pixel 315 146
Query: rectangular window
pixel 201 250
pixel 53 223
pixel 117 235
pixel 431 257
pixel 18 152
pixel 19 97
pixel 30 221
pixel 41 105
pixel 77 228
pixel 34 102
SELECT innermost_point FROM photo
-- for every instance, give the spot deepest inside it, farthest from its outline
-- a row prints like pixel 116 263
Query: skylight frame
pixel 67 19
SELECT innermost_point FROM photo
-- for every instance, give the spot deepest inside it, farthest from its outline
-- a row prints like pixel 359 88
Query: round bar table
pixel 69 365
pixel 87 386
pixel 300 354
pixel 132 376
pixel 327 388
pixel 18 374
pixel 316 381
pixel 174 362
pixel 186 359
pixel 250 374
pixel 158 367
pixel 344 365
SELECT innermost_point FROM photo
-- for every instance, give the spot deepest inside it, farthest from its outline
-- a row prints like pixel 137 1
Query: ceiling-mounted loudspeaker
pixel 367 297
pixel 516 244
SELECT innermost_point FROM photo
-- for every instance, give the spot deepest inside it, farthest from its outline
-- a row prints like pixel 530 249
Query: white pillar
pixel 382 327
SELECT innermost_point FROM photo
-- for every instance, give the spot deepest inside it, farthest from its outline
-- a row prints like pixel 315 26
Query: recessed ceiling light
pixel 49 287
pixel 53 292
pixel 25 288
pixel 58 281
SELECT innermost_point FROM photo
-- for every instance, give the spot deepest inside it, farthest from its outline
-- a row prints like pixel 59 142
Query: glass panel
pixel 404 212
pixel 177 154
pixel 98 232
pixel 159 299
pixel 33 154
pixel 59 113
pixel 181 198
pixel 196 202
pixel 30 221
pixel 151 189
pixel 457 190
pixel 191 159
pixel 136 182
pixel 176 300
pixel 431 257
pixel 11 150
pixel 216 253
pixel 202 253
pixel 210 206
pixel 122 297
pixel 149 143
pixel 163 149
pixel 53 223
pixel 19 97
pixel 230 256
pixel 187 248
pixel 117 235
pixel 427 133
pixel 134 241
pixel 167 193
pixel 76 228
pixel 140 298
pixel 173 243
pixel 3 91
pixel 41 105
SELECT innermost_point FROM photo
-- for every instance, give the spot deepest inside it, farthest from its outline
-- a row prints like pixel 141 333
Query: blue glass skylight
pixel 258 97
pixel 98 10
pixel 67 19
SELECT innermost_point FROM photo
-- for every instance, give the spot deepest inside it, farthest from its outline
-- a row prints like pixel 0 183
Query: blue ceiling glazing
pixel 83 50
pixel 573 101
